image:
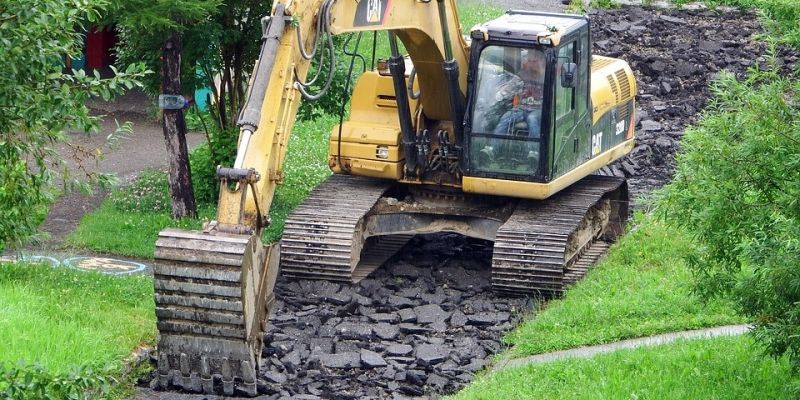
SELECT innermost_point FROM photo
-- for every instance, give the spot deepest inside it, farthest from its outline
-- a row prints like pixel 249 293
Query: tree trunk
pixel 180 176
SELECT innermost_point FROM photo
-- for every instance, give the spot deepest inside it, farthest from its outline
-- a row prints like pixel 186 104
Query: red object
pixel 99 46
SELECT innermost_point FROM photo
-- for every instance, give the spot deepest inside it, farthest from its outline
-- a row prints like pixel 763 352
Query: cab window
pixel 507 110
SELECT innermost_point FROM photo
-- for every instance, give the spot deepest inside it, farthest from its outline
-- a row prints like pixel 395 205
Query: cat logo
pixel 371 12
pixel 374 11
pixel 597 143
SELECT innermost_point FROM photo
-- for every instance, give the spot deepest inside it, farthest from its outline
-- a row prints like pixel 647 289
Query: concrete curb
pixel 591 351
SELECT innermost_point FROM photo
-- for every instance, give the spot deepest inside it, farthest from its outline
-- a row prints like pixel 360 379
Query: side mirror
pixel 568 74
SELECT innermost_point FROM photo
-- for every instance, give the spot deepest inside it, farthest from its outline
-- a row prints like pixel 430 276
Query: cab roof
pixel 529 25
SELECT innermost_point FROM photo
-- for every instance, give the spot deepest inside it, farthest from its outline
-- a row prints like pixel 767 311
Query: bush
pixel 34 382
pixel 219 150
pixel 40 101
pixel 737 189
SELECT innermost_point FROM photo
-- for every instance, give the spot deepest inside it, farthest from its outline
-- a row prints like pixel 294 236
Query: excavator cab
pixel 528 96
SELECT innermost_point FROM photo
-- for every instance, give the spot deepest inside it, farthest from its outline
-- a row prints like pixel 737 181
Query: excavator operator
pixel 525 90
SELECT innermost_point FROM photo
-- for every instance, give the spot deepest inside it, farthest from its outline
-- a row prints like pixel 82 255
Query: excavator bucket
pixel 213 292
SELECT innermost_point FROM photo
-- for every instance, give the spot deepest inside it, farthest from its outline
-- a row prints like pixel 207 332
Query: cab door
pixel 572 126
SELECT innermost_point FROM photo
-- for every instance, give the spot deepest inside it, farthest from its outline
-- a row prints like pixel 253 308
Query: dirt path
pixel 141 150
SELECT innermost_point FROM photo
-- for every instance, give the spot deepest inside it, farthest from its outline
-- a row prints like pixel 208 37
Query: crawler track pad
pixel 213 292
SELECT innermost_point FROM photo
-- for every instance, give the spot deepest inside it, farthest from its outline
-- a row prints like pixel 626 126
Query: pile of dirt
pixel 675 56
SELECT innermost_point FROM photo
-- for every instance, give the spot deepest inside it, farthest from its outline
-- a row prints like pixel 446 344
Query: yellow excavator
pixel 435 142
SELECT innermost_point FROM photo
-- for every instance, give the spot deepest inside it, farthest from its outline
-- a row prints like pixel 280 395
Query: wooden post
pixel 180 176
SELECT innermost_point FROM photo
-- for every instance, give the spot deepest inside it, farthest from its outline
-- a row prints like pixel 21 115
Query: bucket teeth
pixel 206 378
pixel 163 371
pixel 211 311
pixel 227 377
pixel 249 379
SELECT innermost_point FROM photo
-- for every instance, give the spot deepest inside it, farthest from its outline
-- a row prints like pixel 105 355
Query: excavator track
pixel 324 237
pixel 213 291
pixel 540 248
pixel 545 246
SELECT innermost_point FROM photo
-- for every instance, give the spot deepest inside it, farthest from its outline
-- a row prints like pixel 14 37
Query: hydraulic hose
pixel 346 94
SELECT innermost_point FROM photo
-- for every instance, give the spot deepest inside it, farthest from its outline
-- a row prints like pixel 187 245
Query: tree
pixel 232 55
pixel 737 189
pixel 165 23
pixel 39 101
pixel 218 52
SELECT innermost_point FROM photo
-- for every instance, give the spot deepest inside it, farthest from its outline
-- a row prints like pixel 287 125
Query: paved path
pixel 125 158
pixel 591 351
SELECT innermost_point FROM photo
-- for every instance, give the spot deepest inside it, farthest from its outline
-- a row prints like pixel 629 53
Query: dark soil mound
pixel 675 55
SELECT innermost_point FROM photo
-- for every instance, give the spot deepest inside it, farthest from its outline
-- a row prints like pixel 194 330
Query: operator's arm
pixel 509 85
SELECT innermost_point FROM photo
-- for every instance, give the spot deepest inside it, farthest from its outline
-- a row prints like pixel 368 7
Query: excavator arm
pixel 275 95
pixel 214 287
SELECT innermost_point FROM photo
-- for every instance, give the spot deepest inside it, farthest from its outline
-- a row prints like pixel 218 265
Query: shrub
pixel 219 150
pixel 737 189
pixel 40 101
pixel 34 382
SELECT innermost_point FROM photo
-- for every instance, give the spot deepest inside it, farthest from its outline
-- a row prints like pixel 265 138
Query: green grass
pixel 305 167
pixel 62 318
pixel 131 234
pixel 641 289
pixel 721 368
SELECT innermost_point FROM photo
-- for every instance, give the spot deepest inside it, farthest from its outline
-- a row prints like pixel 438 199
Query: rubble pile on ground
pixel 406 330
pixel 675 55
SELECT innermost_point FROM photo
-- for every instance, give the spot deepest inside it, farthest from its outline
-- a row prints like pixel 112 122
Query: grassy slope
pixel 642 288
pixel 62 318
pixel 722 368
